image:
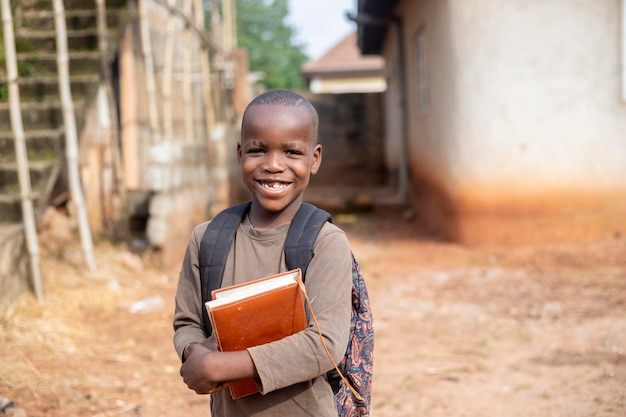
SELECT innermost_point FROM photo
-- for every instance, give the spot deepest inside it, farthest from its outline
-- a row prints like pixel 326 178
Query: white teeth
pixel 274 186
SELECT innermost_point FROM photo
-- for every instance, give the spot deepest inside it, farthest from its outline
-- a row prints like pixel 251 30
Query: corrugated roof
pixel 344 59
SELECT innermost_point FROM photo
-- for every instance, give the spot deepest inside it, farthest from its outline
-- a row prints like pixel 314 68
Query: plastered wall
pixel 522 136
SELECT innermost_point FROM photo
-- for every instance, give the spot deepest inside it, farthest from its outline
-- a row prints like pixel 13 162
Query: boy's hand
pixel 196 370
pixel 205 370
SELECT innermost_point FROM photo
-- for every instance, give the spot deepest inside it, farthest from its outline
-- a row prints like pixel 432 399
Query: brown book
pixel 255 313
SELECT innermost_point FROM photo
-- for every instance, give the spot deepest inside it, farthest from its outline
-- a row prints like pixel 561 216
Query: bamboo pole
pixel 218 57
pixel 218 139
pixel 187 88
pixel 228 43
pixel 71 141
pixel 208 43
pixel 28 214
pixel 216 26
pixel 110 124
pixel 207 40
pixel 205 69
pixel 104 121
pixel 168 58
pixel 228 26
pixel 148 60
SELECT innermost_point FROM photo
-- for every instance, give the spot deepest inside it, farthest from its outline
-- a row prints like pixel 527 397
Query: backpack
pixel 357 363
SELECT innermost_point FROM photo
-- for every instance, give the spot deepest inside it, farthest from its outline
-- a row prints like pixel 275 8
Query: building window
pixel 421 68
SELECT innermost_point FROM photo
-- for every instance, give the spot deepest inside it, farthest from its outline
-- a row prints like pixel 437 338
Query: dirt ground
pixel 532 331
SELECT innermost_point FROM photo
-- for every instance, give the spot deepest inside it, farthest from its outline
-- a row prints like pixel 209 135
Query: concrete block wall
pixel 351 134
pixel 179 176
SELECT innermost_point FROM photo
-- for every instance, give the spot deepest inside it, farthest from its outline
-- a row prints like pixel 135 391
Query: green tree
pixel 261 29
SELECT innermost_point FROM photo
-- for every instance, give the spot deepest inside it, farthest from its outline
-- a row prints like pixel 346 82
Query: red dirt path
pixel 506 331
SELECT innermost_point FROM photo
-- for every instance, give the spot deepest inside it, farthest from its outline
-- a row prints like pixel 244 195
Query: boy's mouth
pixel 274 185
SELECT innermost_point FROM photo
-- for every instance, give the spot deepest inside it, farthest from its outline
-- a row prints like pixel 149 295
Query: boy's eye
pixel 255 150
pixel 293 152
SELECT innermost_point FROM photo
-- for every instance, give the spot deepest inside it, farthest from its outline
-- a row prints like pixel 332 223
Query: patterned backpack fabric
pixel 357 363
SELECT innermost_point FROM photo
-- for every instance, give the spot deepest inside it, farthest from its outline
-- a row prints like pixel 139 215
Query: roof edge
pixel 373 19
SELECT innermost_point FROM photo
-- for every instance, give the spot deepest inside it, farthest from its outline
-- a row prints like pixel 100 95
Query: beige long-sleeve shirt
pixel 291 370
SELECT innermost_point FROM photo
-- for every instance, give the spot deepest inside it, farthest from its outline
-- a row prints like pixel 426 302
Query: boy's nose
pixel 273 162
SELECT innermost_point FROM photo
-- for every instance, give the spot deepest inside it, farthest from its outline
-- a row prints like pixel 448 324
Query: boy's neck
pixel 260 218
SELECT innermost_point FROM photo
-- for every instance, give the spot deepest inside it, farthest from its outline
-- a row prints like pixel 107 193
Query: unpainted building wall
pixel 522 136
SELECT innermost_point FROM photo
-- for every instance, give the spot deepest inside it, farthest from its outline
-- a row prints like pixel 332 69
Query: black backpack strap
pixel 303 231
pixel 214 249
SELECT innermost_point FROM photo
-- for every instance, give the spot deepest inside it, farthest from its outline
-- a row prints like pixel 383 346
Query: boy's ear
pixel 239 151
pixel 317 159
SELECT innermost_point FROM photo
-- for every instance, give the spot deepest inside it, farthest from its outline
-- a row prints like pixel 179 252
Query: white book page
pixel 245 291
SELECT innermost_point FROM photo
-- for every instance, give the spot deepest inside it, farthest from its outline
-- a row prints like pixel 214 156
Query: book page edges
pixel 227 295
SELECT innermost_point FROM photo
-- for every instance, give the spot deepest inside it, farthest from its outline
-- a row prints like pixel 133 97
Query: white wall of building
pixel 523 97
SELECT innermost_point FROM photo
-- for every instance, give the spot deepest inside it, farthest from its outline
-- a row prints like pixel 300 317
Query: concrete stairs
pixel 42 117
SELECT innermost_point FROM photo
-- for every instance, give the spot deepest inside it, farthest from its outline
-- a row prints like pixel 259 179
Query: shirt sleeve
pixel 302 357
pixel 188 327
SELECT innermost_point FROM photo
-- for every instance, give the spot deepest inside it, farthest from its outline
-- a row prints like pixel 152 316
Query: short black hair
pixel 286 98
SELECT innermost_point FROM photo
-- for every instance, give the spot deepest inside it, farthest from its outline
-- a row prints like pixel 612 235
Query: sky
pixel 320 24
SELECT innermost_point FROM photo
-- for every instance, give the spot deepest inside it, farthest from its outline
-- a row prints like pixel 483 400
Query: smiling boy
pixel 277 154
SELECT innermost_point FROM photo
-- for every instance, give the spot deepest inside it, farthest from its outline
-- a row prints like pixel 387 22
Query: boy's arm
pixel 187 323
pixel 301 357
pixel 205 369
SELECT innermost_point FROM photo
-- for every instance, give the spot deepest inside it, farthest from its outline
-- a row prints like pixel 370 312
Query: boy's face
pixel 277 155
